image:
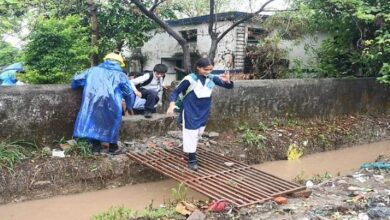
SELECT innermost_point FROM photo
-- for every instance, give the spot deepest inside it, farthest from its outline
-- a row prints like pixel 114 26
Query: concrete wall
pixel 47 113
pixel 253 100
pixel 42 113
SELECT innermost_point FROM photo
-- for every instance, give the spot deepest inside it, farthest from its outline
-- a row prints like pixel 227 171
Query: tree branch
pixel 159 21
pixel 245 18
pixel 155 5
pixel 212 18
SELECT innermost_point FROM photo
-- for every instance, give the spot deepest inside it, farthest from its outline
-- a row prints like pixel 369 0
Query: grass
pixel 122 213
pixel 12 153
pixel 180 193
pixel 316 179
pixel 80 148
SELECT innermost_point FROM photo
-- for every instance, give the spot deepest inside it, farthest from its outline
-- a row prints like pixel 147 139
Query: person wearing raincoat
pixel 100 115
pixel 8 77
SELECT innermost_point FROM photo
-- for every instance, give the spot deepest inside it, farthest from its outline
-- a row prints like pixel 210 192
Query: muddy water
pixel 137 197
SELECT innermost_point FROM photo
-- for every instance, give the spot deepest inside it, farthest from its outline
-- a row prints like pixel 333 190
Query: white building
pixel 231 51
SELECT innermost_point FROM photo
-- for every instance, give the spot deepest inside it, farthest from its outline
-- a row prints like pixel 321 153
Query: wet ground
pixel 319 206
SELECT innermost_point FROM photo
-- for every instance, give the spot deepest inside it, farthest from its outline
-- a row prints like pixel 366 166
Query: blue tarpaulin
pixel 8 74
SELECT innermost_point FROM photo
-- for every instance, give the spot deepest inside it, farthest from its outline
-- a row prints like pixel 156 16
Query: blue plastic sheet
pixel 16 66
pixel 8 74
pixel 376 165
pixel 100 113
pixel 8 78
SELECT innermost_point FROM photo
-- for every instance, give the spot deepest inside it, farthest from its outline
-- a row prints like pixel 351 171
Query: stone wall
pixel 47 113
pixel 306 98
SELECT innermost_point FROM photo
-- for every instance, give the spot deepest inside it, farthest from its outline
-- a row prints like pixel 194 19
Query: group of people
pixel 106 86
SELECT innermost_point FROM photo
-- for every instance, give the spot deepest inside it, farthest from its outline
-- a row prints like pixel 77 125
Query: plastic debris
pixel 376 165
pixel 293 152
pixel 309 184
pixel 185 208
pixel 280 200
pixel 219 206
pixel 57 153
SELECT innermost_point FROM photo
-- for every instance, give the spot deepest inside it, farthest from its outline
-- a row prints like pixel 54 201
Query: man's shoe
pixel 148 115
pixel 193 165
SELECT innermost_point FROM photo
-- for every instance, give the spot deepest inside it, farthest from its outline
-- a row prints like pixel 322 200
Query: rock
pixel 41 184
pixel 363 216
pixel 379 212
pixel 197 215
pixel 213 142
pixel 213 134
pixel 280 200
pixel 71 142
pixel 175 134
pixel 46 151
pixel 301 194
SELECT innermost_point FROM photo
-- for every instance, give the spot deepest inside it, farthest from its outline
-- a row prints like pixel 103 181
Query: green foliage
pixel 80 148
pixel 12 153
pixel 358 41
pixel 268 59
pixel 10 13
pixel 158 213
pixel 8 54
pixel 316 179
pixel 180 193
pixel 115 213
pixel 189 8
pixel 122 213
pixel 120 24
pixel 58 48
pixel 251 138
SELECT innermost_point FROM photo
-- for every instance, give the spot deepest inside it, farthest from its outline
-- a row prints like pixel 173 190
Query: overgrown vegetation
pixel 12 153
pixel 8 54
pixel 357 33
pixel 56 51
pixel 250 136
pixel 79 148
pixel 316 179
pixel 268 59
pixel 178 194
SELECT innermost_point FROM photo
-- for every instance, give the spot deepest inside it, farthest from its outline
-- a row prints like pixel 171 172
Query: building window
pixel 190 35
pixel 255 35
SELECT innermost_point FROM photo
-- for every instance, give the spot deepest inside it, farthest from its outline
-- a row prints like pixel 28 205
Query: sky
pixel 254 5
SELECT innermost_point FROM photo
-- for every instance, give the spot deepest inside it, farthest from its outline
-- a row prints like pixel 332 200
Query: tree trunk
pixel 94 30
pixel 213 49
pixel 186 57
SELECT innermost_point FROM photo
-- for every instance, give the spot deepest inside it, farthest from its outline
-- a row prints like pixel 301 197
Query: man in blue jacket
pixel 100 115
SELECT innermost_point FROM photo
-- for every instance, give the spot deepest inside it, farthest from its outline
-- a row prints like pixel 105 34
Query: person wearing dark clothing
pixel 197 88
pixel 150 84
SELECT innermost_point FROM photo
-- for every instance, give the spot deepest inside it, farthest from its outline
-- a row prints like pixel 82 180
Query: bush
pixel 56 50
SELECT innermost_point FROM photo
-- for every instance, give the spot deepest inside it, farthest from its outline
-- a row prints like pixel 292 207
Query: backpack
pixel 149 80
pixel 192 78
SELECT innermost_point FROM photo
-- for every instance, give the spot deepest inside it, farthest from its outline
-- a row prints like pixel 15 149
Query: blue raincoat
pixel 100 114
pixel 8 76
